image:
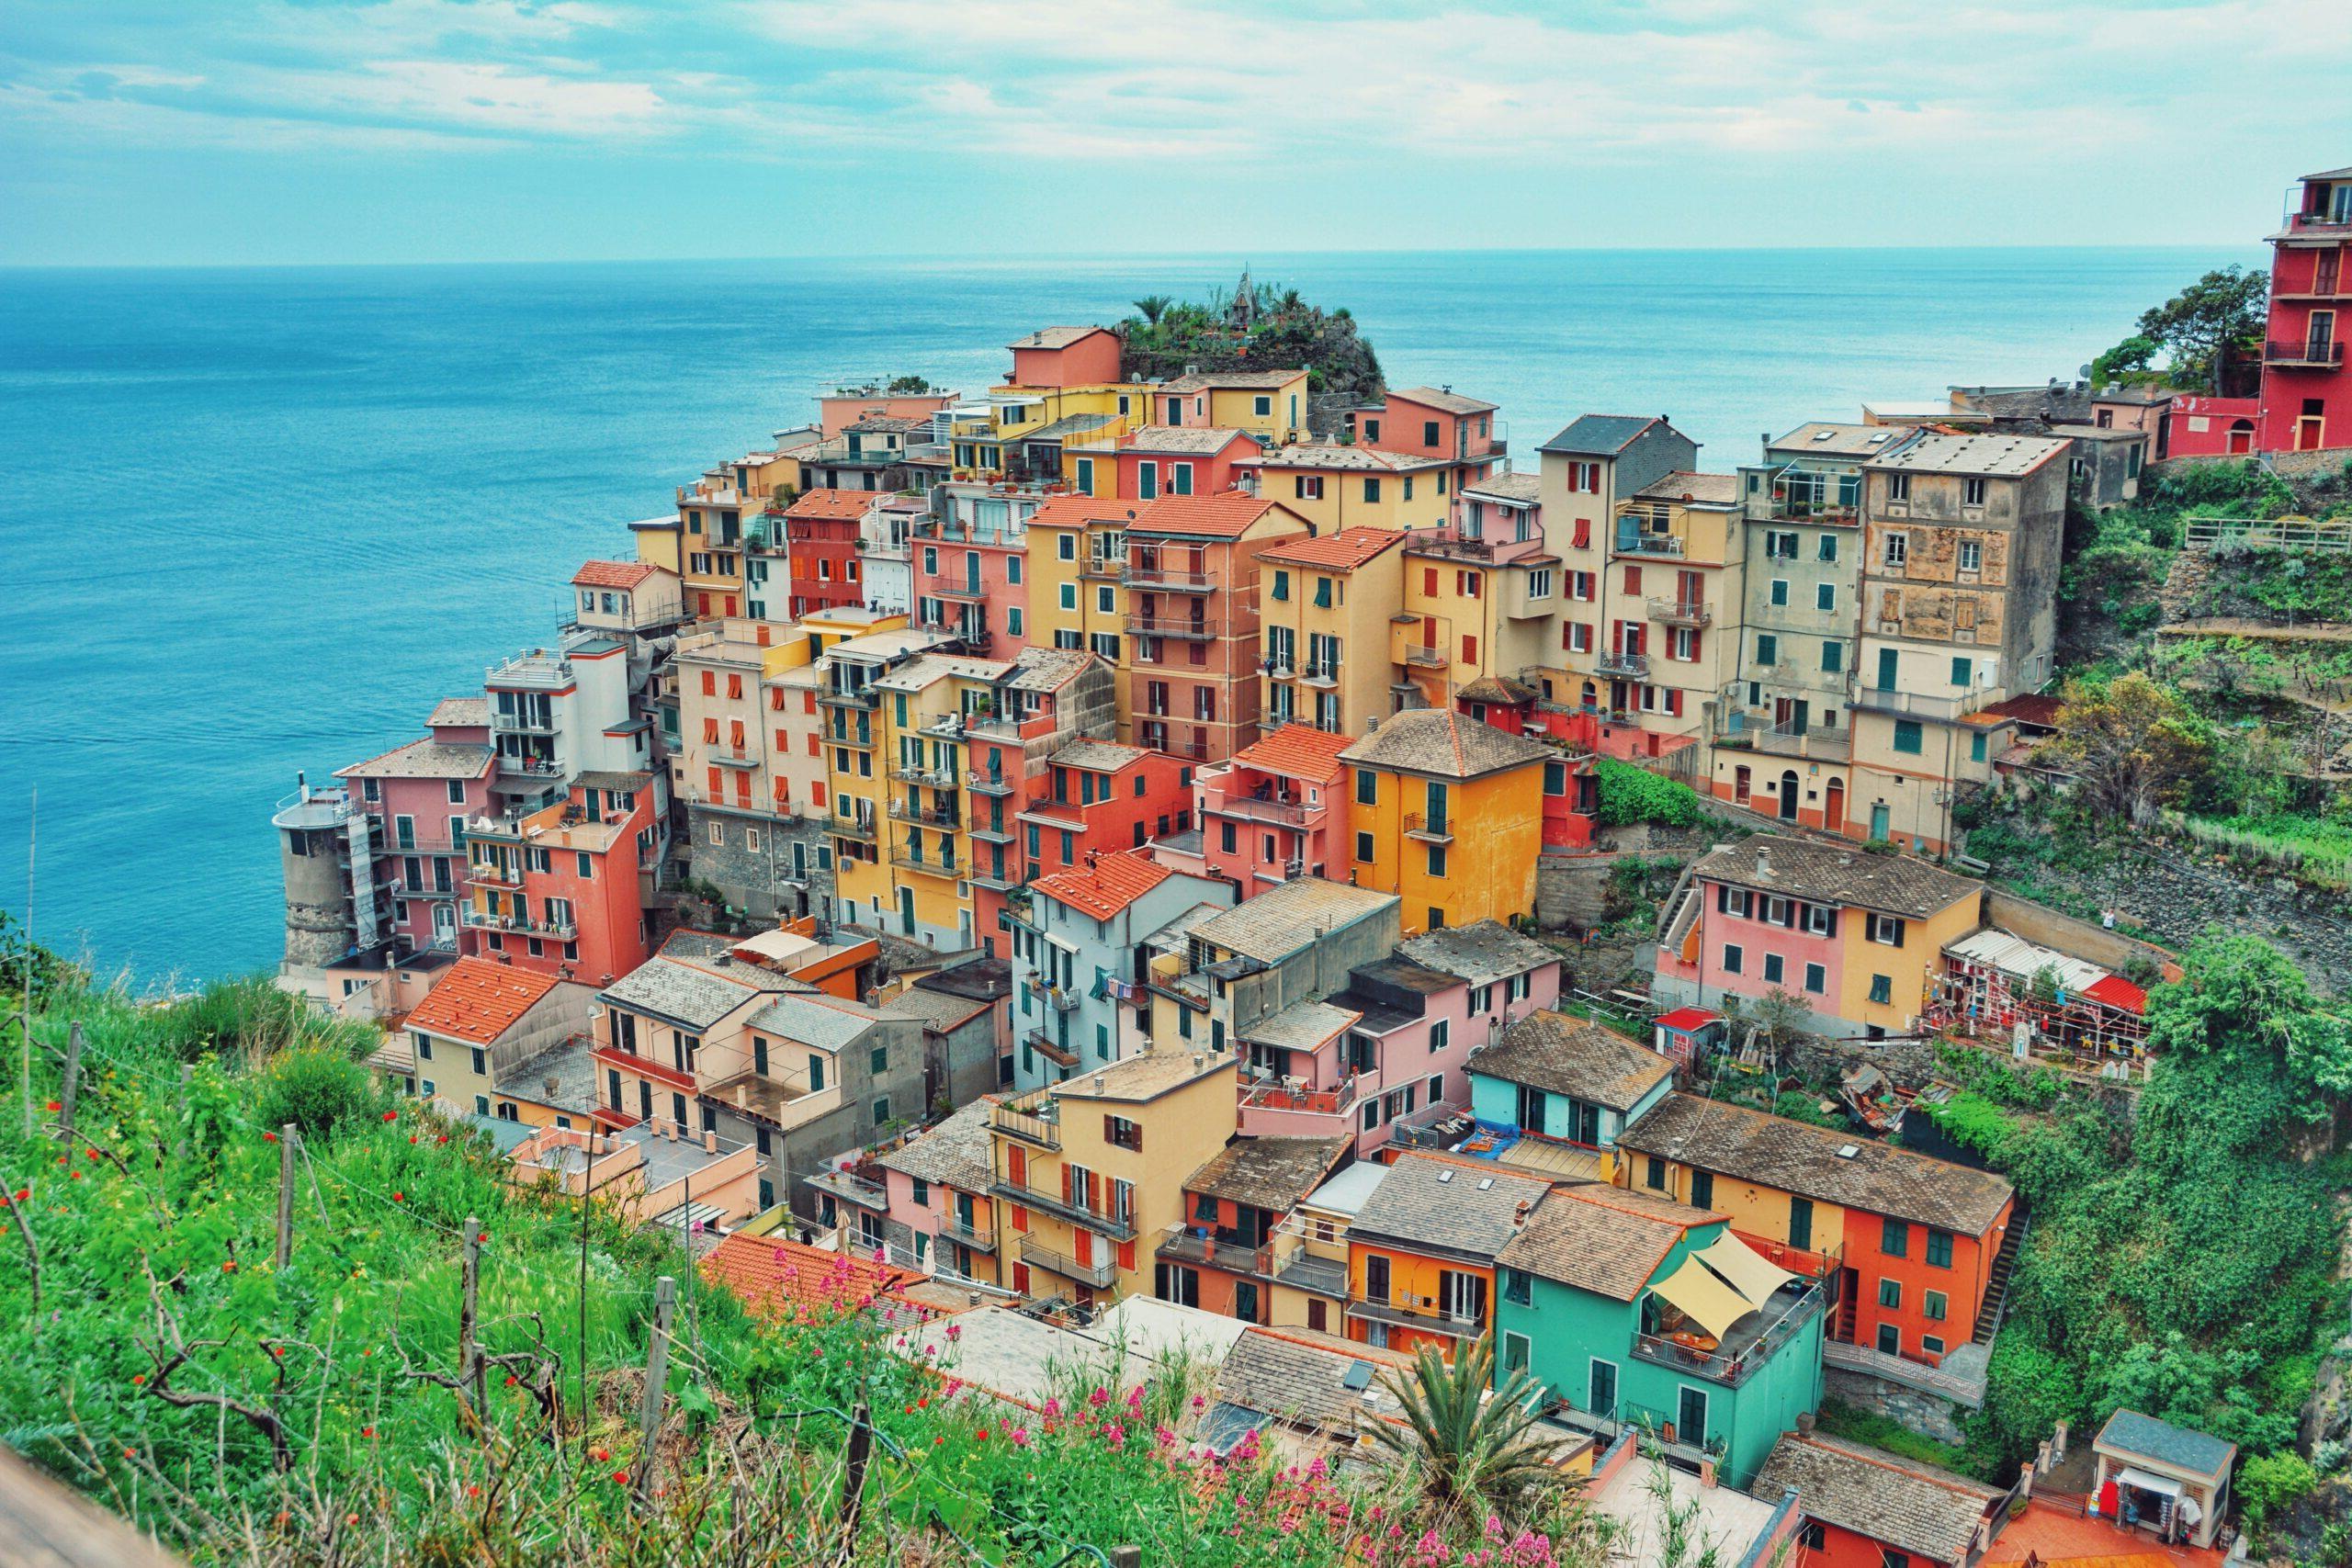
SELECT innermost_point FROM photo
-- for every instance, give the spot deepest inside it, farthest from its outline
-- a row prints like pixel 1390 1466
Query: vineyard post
pixel 288 1135
pixel 657 1383
pixel 73 1097
pixel 861 1446
pixel 469 1361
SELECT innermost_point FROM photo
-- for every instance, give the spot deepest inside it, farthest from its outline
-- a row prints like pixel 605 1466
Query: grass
pixel 1855 1425
pixel 2313 850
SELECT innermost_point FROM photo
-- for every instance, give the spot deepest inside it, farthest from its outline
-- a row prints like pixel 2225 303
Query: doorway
pixel 1789 796
pixel 1881 822
pixel 1833 814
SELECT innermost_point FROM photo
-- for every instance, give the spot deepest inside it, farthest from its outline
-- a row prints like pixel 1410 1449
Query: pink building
pixel 420 796
pixel 2306 386
pixel 1434 422
pixel 1066 356
pixel 2197 425
pixel 1277 810
pixel 971 561
pixel 940 1217
pixel 1393 1049
pixel 1176 460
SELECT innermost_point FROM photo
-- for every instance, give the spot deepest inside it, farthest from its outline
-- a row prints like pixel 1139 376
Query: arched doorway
pixel 2240 436
pixel 1833 814
pixel 1789 796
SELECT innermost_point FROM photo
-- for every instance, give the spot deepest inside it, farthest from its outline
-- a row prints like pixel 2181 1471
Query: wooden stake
pixel 861 1448
pixel 25 1019
pixel 469 1363
pixel 657 1384
pixel 588 1154
pixel 73 1096
pixel 288 1137
pixel 1127 1557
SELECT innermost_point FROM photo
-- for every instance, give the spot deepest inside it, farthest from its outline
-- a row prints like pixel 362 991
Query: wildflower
pixel 600 1455
pixel 77 1176
pixel 1018 1437
pixel 269 1137
pixel 411 1138
pixel 54 1106
pixel 442 1139
pixel 1200 1401
pixel 981 1435
pixel 229 1267
pixel 24 1195
pixel 936 1441
pixel 509 1380
pixel 400 1197
pixel 137 1378
pixel 391 1115
pixel 923 1404
pixel 366 1431
pixel 1098 1398
pixel 473 1491
pixel 621 1476
pixel 351 1518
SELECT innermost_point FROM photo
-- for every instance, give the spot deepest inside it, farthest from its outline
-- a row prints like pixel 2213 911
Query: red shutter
pixel 808 702
pixel 1584 533
pixel 1674 700
pixel 710 679
pixel 1021 1219
pixel 1016 1164
pixel 1021 1278
pixel 1469 650
pixel 1066 1184
pixel 1429 582
pixel 1084 1246
pixel 1127 1256
pixel 1633 580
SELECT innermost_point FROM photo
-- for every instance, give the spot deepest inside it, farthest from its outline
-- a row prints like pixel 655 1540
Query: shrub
pixel 317 1088
pixel 2028 1390
pixel 1630 795
pixel 2271 1484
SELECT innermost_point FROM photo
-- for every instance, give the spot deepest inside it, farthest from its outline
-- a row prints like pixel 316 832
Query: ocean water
pixel 252 521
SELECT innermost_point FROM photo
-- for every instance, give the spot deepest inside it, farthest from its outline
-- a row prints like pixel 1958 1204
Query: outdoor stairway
pixel 1681 910
pixel 1997 1280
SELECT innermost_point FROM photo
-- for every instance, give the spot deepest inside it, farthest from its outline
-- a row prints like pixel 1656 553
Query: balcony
pixel 493 874
pixel 929 815
pixel 522 724
pixel 989 782
pixel 1278 1106
pixel 945 869
pixel 1917 705
pixel 860 829
pixel 1100 1276
pixel 1422 1313
pixel 725 756
pixel 1781 740
pixel 1209 1249
pixel 865 698
pixel 979 1236
pixel 929 778
pixel 1151 575
pixel 543 769
pixel 489 920
pixel 2310 353
pixel 993 880
pixel 858 1184
pixel 1050 1200
pixel 1283 813
pixel 1322 676
pixel 1666 546
pixel 1680 612
pixel 1747 1348
pixel 1428 829
pixel 1102 570
pixel 1168 626
pixel 862 738
pixel 1045 1046
pixel 1035 1118
pixel 991 833
pixel 1623 666
pixel 1787 508
pixel 1426 656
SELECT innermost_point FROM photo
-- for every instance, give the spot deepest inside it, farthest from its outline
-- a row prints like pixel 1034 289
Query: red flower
pixel 277 1349
pixel 982 1435
pixel 366 1431
pixel 94 1154
pixel 510 1381
pixel 473 1491
pixel 137 1378
pixel 54 1106
pixel 24 1194
pixel 391 1115
pixel 621 1476
pixel 229 1267
pixel 600 1455
pixel 269 1137
pixel 442 1139
pixel 400 1197
pixel 411 1138
pixel 77 1176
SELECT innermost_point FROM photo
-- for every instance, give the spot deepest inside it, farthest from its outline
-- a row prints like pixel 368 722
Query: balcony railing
pixel 980 1237
pixel 1287 813
pixel 862 1187
pixel 1144 575
pixel 1429 829
pixel 1170 626
pixel 1921 705
pixel 1737 1366
pixel 485 920
pixel 1278 1095
pixel 1425 655
pixel 1033 1118
pixel 1680 612
pixel 1214 1249
pixel 2309 354
pixel 1644 544
pixel 855 827
pixel 1050 1199
pixel 493 874
pixel 863 697
pixel 1406 1310
pixel 522 724
pixel 1624 666
pixel 989 781
pixel 1100 1275
pixel 942 868
pixel 528 767
pixel 929 815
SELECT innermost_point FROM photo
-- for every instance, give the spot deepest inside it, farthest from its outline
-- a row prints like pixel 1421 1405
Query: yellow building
pixel 1271 404
pixel 713 516
pixel 1335 486
pixel 1447 814
pixel 1588 468
pixel 1078 597
pixel 1482 594
pixel 1672 600
pixel 497 1041
pixel 1322 600
pixel 1089 1170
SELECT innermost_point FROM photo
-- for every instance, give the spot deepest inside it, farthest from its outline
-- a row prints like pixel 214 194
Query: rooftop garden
pixel 1260 326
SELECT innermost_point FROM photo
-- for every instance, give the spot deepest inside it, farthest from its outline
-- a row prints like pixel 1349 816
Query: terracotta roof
pixel 2116 992
pixel 1344 551
pixel 613 573
pixel 1330 457
pixel 2038 709
pixel 784 1279
pixel 477 1001
pixel 1108 885
pixel 1497 689
pixel 1226 516
pixel 1055 338
pixel 1078 511
pixel 1295 751
pixel 1809 1161
pixel 833 504
pixel 1700 489
pixel 1441 742
pixel 1272 1174
pixel 1560 1055
pixel 1442 399
pixel 1464 1207
pixel 1828 874
pixel 1913 1508
pixel 1602 1239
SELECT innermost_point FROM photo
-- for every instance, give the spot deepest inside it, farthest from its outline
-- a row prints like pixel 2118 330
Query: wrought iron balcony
pixel 1624 666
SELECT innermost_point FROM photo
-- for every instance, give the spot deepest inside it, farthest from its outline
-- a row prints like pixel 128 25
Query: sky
pixel 287 131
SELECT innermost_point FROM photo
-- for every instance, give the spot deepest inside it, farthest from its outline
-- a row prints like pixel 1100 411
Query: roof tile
pixel 1344 551
pixel 477 1001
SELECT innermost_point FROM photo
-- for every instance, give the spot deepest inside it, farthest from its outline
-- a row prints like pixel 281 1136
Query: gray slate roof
pixel 454 712
pixel 1447 1206
pixel 1180 439
pixel 1796 1157
pixel 1443 743
pixel 954 1154
pixel 1046 668
pixel 1289 916
pixel 1439 399
pixel 1914 1507
pixel 1826 874
pixel 1272 1174
pixel 1603 1239
pixel 1481 953
pixel 1302 1026
pixel 568 1065
pixel 1296 1381
pixel 1101 756
pixel 1599 435
pixel 1508 486
pixel 692 997
pixel 940 1010
pixel 422 759
pixel 2199 1453
pixel 1999 457
pixel 827 1024
pixel 1562 1054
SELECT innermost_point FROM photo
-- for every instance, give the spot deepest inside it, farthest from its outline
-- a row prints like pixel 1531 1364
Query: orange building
pixel 1193 618
pixel 1421 1251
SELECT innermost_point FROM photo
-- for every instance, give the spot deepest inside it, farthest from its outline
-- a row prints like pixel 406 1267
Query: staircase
pixel 1997 1280
pixel 1681 910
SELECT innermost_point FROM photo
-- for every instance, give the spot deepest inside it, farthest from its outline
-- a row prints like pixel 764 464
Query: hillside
pixel 1260 326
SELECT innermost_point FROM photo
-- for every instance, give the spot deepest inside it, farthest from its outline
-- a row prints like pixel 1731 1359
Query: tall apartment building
pixel 1436 422
pixel 970 565
pixel 1961 542
pixel 1077 582
pixel 2306 387
pixel 1482 594
pixel 1588 471
pixel 1192 582
pixel 822 536
pixel 1676 575
pixel 561 890
pixel 1335 486
pixel 1320 600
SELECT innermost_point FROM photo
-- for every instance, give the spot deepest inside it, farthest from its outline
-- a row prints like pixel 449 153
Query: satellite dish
pixel 2084 371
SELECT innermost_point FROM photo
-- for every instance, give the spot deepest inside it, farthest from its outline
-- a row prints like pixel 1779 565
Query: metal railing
pixel 1636 543
pixel 1287 813
pixel 1100 1275
pixel 1879 699
pixel 1625 666
pixel 2315 353
pixel 989 782
pixel 485 920
pixel 1425 655
pixel 1735 1367
pixel 1214 1248
pixel 979 1237
pixel 1077 1210
pixel 1168 626
pixel 1145 575
pixel 1033 1118
pixel 1680 612
pixel 1436 830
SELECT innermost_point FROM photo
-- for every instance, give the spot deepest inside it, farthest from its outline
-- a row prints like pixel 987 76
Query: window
pixel 1780 590
pixel 1773 968
pixel 1898 486
pixel 1363 847
pixel 1439 1033
pixel 1978 748
pixel 1931 1346
pixel 1779 545
pixel 1370 491
pixel 1519 1289
pixel 1964 672
pixel 1972 555
pixel 1825 596
pixel 1437 860
pixel 1828 546
pixel 1653 1174
pixel 1890 1558
pixel 882 1111
pixel 1263 406
pixel 1936 1306
pixel 1767 649
pixel 1895 1237
pixel 1895 551
pixel 1732 959
pixel 1972 492
pixel 1938 1249
pixel 1833 656
pixel 1884 930
pixel 1703 1189
pixel 1890 1294
pixel 1908 737
pixel 1367 789
pixel 1817 979
pixel 1882 990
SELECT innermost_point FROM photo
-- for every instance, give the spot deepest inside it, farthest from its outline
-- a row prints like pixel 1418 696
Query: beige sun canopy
pixel 1744 1270
pixel 1702 1298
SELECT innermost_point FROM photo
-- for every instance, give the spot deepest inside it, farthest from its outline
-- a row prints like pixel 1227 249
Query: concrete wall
pixel 2080 939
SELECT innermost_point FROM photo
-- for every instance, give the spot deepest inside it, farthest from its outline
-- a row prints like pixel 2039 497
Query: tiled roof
pixel 613 574
pixel 1344 551
pixel 1289 916
pixel 694 996
pixel 2040 709
pixel 1078 511
pixel 1826 874
pixel 455 713
pixel 1798 1157
pixel 424 760
pixel 1443 742
pixel 1442 399
pixel 1999 457
pixel 1560 1055
pixel 1098 756
pixel 1330 457
pixel 954 1154
pixel 1272 1174
pixel 938 1010
pixel 1046 668
pixel 1459 1206
pixel 1481 953
pixel 1602 1239
pixel 819 1020
pixel 1145 1076
pixel 1232 380
pixel 1302 1026
pixel 1181 440
pixel 477 1001
pixel 1497 689
pixel 1067 427
pixel 2198 1453
pixel 1700 489
pixel 1055 338
pixel 1599 435
pixel 1106 886
pixel 1911 1506
pixel 563 1076
pixel 886 425
pixel 1295 751
pixel 782 1278
pixel 1838 440
pixel 833 504
pixel 1288 1374
pixel 1226 516
pixel 1509 486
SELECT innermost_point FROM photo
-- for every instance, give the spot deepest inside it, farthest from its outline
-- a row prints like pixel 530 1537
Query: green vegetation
pixel 2269 1484
pixel 1262 326
pixel 1631 794
pixel 2180 1263
pixel 330 1412
pixel 1855 1425
pixel 2197 332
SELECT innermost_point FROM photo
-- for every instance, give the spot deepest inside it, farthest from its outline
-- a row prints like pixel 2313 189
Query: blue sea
pixel 256 521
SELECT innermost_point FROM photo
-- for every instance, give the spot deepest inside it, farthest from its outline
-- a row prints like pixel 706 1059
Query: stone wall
pixel 1930 1415
pixel 760 880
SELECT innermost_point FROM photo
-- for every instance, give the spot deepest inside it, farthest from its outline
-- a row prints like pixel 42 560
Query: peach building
pixel 1193 585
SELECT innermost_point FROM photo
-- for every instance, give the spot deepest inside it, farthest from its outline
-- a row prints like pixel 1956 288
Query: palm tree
pixel 1464 1447
pixel 1153 307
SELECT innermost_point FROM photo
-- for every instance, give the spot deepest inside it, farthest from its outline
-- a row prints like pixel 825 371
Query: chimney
pixel 709 1141
pixel 1518 1215
pixel 1804 1423
pixel 2025 1478
pixel 1098 1083
pixel 1199 1061
pixel 1763 860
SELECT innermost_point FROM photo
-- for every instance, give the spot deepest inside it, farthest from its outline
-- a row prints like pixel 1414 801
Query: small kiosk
pixel 2167 1480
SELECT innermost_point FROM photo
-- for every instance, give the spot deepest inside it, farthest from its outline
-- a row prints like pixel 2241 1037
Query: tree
pixel 2133 746
pixel 2245 1004
pixel 1153 307
pixel 2199 329
pixel 2128 362
pixel 1462 1449
pixel 1782 1015
pixel 911 384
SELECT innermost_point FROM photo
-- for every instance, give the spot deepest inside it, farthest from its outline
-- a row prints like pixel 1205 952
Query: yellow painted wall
pixel 1908 967
pixel 1759 1211
pixel 1362 604
pixel 1497 822
pixel 1343 505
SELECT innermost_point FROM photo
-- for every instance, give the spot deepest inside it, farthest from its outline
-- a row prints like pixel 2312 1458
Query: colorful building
pixel 1335 486
pixel 970 565
pixel 1910 1243
pixel 1482 594
pixel 561 890
pixel 1670 601
pixel 820 532
pixel 2306 390
pixel 1268 404
pixel 1447 814
pixel 1223 1257
pixel 1565 1080
pixel 497 1043
pixel 1865 1507
pixel 1065 356
pixel 1094 797
pixel 1636 1310
pixel 942 1218
pixel 1084 1169
pixel 1435 422
pixel 706 548
pixel 1277 810
pixel 1422 1250
pixel 1160 460
pixel 416 799
pixel 1193 592
pixel 1321 599
pixel 1593 466
pixel 1227 977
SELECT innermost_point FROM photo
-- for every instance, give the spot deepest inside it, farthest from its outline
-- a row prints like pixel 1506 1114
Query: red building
pixel 2306 390
pixel 2197 425
pixel 1278 810
pixel 1098 796
pixel 1571 789
pixel 1163 459
pixel 561 890
pixel 1435 422
pixel 1066 356
pixel 820 550
pixel 1192 619
pixel 1866 1508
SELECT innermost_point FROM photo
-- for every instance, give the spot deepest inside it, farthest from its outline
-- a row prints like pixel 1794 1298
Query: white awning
pixel 2148 1483
pixel 1742 1269
pixel 1705 1300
